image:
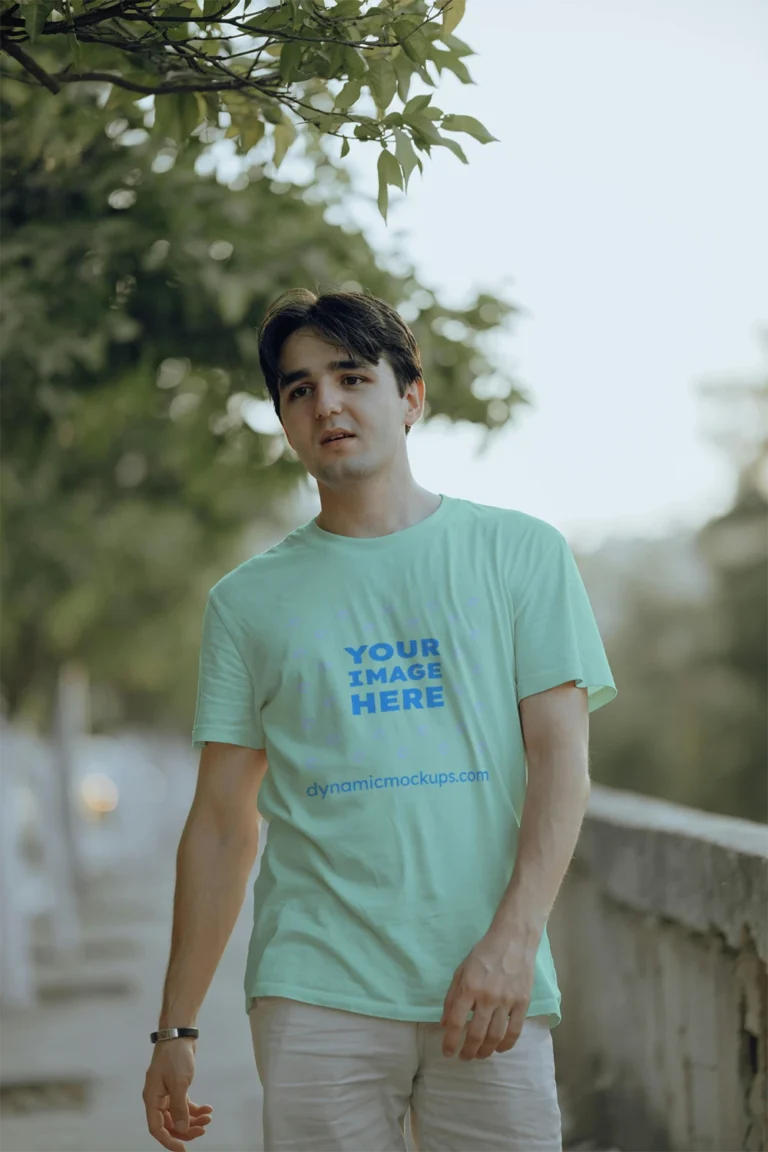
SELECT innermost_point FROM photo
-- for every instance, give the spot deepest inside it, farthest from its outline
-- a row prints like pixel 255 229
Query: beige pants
pixel 337 1081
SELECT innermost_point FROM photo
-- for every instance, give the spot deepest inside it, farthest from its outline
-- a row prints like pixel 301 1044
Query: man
pixel 383 681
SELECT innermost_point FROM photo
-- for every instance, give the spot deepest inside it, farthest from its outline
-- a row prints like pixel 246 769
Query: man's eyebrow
pixel 332 366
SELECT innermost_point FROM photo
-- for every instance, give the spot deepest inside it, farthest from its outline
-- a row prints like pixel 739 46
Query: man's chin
pixel 333 472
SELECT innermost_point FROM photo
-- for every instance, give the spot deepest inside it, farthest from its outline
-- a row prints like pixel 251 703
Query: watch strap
pixel 172 1033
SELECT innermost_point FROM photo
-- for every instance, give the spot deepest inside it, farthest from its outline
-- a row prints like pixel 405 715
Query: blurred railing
pixel 660 937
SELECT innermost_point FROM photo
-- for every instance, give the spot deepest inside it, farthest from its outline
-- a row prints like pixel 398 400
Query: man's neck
pixel 364 521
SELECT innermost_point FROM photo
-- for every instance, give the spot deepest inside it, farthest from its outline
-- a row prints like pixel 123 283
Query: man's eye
pixel 302 387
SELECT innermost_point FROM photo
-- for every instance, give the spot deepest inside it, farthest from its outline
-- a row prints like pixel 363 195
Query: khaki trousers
pixel 338 1081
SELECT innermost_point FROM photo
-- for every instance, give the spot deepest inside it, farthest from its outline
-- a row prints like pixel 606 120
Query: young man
pixel 391 681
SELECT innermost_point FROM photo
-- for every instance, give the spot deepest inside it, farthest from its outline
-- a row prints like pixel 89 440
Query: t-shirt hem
pixel 226 736
pixel 599 692
pixel 428 1013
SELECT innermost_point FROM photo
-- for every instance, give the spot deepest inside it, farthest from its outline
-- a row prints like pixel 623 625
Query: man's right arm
pixel 216 854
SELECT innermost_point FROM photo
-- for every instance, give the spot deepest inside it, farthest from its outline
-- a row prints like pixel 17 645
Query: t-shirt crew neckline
pixel 318 535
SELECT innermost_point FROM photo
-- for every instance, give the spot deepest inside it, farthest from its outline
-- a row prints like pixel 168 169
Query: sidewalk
pixel 93 1022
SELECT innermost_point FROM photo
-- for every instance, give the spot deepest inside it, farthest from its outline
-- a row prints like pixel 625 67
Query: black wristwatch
pixel 172 1033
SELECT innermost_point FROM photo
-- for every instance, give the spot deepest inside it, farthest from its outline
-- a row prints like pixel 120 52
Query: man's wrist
pixel 519 926
pixel 177 1018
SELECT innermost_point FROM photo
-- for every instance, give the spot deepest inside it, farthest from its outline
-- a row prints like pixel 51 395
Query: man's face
pixel 328 391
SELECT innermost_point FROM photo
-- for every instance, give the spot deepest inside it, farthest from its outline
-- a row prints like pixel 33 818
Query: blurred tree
pixel 736 546
pixel 276 70
pixel 691 718
pixel 130 294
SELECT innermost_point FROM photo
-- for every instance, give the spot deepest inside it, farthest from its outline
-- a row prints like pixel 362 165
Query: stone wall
pixel 660 937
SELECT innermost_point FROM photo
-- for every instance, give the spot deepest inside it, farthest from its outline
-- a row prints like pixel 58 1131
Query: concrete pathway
pixel 93 1024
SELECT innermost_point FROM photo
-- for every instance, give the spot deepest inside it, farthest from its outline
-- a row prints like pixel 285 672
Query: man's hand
pixel 171 1115
pixel 496 981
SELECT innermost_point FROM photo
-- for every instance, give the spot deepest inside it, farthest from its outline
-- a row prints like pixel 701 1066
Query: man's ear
pixel 414 417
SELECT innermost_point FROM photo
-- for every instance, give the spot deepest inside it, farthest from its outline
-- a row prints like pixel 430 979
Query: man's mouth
pixel 337 436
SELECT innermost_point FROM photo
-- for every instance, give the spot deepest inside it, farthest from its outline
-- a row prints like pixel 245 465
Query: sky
pixel 623 209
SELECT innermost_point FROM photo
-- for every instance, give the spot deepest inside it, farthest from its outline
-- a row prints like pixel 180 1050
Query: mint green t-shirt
pixel 383 676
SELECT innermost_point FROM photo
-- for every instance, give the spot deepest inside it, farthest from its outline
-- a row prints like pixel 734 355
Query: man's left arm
pixel 496 978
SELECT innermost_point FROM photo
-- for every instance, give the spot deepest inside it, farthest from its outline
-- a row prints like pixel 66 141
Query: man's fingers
pixel 455 1024
pixel 497 1031
pixel 157 1128
pixel 178 1107
pixel 196 1128
pixel 199 1109
pixel 476 1033
pixel 180 1119
pixel 512 1034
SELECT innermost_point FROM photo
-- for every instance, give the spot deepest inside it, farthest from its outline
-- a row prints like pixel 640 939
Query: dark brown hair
pixel 358 322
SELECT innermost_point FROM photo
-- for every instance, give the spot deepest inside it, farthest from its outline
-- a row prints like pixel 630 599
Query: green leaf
pixel 416 104
pixel 270 18
pixel 459 69
pixel 383 197
pixel 457 46
pixel 177 115
pixel 417 47
pixel 252 132
pixel 290 61
pixel 335 54
pixel 178 31
pixel 325 121
pixel 285 134
pixel 354 63
pixel 404 73
pixel 406 156
pixel 365 131
pixel 76 51
pixel 188 113
pixel 425 128
pixel 390 168
pixel 382 81
pixel 453 12
pixel 469 125
pixel 344 146
pixel 344 10
pixel 272 113
pixel 454 147
pixel 35 12
pixel 348 95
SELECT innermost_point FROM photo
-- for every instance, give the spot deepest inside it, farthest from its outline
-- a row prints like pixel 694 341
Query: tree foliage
pixel 135 450
pixel 275 72
pixel 690 720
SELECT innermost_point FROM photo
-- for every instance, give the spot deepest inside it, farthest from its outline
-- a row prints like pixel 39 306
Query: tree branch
pixel 29 65
pixel 145 89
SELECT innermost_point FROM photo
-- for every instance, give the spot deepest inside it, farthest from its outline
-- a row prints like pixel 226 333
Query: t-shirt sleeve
pixel 227 708
pixel 556 637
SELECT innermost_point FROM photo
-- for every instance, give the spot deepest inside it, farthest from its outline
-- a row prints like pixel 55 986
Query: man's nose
pixel 328 399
